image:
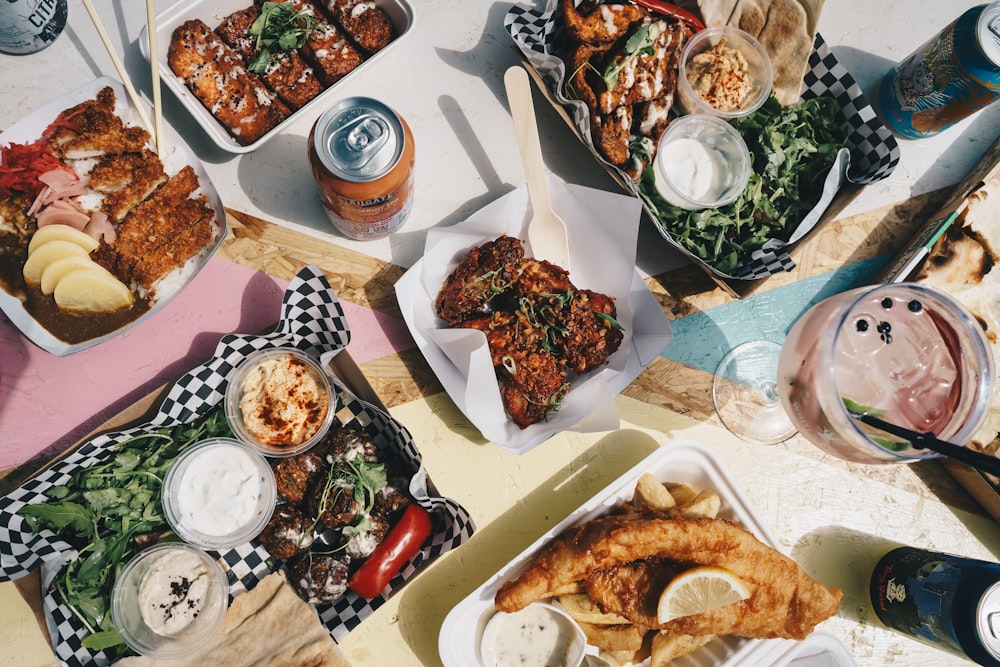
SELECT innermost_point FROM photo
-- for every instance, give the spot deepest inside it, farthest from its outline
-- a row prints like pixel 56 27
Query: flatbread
pixel 785 28
pixel 271 626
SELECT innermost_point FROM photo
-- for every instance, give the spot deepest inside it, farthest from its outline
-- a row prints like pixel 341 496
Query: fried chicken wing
pixel 595 23
pixel 784 600
pixel 484 272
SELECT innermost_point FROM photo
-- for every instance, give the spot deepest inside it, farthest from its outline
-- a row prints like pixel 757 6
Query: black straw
pixel 970 457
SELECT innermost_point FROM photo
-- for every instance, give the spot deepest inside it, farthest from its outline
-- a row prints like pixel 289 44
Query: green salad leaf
pixel 109 512
pixel 278 30
pixel 791 152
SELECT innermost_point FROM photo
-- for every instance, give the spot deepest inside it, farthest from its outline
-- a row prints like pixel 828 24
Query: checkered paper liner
pixel 313 321
pixel 873 150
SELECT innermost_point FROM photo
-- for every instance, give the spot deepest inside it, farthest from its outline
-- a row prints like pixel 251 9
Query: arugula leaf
pixel 278 30
pixel 790 149
pixel 59 517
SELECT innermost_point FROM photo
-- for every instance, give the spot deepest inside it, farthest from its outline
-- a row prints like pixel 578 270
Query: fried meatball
pixel 288 533
pixel 338 508
pixel 320 578
pixel 345 444
pixel 294 475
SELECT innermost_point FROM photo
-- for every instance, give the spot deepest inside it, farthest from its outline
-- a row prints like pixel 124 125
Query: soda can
pixel 27 26
pixel 362 155
pixel 950 77
pixel 946 601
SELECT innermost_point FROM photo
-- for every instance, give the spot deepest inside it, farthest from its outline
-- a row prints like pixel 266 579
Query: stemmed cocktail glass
pixel 906 353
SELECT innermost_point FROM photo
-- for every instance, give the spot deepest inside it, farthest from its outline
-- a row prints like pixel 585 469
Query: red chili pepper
pixel 670 9
pixel 400 545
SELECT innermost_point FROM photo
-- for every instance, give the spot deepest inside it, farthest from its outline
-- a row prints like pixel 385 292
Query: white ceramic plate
pixel 177 155
pixel 212 12
pixel 683 461
pixel 602 258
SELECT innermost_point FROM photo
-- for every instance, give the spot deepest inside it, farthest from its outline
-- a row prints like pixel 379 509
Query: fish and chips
pixel 610 574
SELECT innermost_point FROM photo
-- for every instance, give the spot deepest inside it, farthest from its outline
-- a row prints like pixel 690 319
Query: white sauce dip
pixel 172 592
pixel 219 491
pixel 536 636
pixel 687 170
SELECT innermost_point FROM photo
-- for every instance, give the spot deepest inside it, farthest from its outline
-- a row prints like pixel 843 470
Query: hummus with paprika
pixel 721 76
pixel 284 401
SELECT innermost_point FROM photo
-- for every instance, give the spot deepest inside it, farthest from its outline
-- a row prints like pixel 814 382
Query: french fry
pixel 614 637
pixel 583 610
pixel 650 492
pixel 668 647
pixel 704 505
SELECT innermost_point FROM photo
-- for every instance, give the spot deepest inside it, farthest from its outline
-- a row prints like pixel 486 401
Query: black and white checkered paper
pixel 313 321
pixel 874 152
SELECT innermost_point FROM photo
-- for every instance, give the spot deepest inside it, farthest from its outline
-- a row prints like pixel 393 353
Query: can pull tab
pixel 358 142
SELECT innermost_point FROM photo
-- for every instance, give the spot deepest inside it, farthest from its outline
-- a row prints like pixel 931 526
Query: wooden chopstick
pixel 122 74
pixel 154 64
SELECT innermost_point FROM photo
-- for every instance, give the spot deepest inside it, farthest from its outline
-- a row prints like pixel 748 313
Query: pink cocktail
pixel 904 352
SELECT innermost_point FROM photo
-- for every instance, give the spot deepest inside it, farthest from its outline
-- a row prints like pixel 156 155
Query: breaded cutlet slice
pixel 92 128
pixel 182 246
pixel 216 75
pixel 326 48
pixel 288 75
pixel 363 21
pixel 126 179
pixel 156 221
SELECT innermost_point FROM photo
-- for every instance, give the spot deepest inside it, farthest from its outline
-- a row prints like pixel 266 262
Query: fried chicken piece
pixel 541 276
pixel 184 243
pixel 648 75
pixel 92 128
pixel 484 272
pixel 363 21
pixel 326 48
pixel 595 23
pixel 217 77
pixel 532 380
pixel 288 75
pixel 591 333
pixel 126 179
pixel 784 600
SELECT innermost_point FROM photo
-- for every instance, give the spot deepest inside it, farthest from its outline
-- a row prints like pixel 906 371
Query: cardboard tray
pixel 874 151
pixel 980 188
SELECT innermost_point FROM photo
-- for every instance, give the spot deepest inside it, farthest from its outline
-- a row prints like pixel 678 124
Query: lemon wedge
pixel 698 590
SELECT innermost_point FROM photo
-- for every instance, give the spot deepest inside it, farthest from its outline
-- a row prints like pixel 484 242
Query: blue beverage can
pixel 953 75
pixel 946 601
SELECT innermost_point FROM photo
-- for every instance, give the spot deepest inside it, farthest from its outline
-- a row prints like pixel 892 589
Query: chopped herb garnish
pixel 278 31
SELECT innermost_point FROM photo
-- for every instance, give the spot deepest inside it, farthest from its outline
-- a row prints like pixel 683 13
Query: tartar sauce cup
pixel 541 632
pixel 701 162
pixel 169 600
pixel 219 493
pixel 758 77
pixel 281 401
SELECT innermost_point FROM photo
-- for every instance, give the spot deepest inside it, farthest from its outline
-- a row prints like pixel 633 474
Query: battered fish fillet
pixel 784 601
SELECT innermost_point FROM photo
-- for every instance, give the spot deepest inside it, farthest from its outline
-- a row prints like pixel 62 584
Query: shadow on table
pixel 449 580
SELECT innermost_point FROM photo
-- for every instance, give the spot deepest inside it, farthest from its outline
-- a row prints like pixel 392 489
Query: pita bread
pixel 271 626
pixel 785 28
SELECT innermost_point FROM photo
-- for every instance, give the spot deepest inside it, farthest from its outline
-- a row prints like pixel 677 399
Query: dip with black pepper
pixel 173 592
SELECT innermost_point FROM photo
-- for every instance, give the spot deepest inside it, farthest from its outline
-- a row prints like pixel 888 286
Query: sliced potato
pixel 54 272
pixel 614 637
pixel 61 233
pixel 91 291
pixel 705 505
pixel 47 253
pixel 650 492
pixel 669 647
